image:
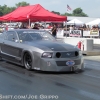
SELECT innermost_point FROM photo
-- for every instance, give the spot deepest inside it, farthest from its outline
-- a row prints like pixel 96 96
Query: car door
pixel 10 47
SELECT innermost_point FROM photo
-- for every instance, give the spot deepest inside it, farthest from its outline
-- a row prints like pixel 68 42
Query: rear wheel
pixel 27 61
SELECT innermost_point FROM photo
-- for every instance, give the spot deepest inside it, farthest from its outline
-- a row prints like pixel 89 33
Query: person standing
pixel 54 30
pixel 36 26
pixel 71 28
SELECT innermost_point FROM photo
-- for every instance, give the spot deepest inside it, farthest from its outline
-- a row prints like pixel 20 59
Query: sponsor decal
pixel 70 63
pixel 75 33
pixel 93 32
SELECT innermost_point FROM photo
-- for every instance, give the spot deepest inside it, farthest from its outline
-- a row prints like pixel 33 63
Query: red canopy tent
pixel 32 13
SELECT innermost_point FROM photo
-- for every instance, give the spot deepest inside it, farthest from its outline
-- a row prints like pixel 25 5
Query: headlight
pixel 47 55
pixel 80 53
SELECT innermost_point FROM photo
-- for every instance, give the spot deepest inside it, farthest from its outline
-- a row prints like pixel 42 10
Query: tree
pixel 79 12
pixel 1 12
pixel 22 4
pixel 76 12
pixel 5 9
pixel 56 12
pixel 66 14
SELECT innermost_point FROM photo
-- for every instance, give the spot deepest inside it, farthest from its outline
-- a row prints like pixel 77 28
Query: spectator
pixel 28 26
pixel 88 28
pixel 71 28
pixel 81 28
pixel 35 26
pixel 84 27
pixel 54 31
pixel 22 26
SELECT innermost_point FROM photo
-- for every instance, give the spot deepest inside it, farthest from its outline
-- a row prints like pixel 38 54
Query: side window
pixel 11 36
pixel 47 36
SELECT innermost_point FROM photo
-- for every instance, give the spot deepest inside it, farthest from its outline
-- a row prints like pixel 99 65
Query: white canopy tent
pixel 94 22
pixel 75 22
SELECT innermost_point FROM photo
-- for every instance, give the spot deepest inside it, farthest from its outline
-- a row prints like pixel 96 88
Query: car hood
pixel 52 45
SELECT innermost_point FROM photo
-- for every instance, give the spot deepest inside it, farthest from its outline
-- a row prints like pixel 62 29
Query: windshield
pixel 34 35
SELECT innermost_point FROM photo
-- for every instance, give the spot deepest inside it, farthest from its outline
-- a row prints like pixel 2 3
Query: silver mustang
pixel 39 50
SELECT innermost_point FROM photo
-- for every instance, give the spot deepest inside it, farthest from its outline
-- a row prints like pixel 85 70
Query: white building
pixel 83 19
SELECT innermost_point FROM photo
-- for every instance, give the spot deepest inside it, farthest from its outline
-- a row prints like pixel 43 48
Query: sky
pixel 89 7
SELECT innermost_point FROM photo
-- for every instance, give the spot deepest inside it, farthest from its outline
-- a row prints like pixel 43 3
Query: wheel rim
pixel 28 61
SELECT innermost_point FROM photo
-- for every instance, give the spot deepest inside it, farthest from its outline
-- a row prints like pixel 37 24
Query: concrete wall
pixel 87 43
pixel 96 41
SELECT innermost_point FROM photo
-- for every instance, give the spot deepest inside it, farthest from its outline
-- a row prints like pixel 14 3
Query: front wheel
pixel 27 61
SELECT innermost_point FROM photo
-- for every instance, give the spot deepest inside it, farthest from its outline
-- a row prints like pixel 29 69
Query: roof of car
pixel 27 30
